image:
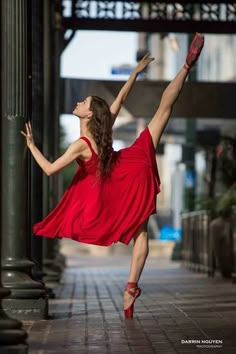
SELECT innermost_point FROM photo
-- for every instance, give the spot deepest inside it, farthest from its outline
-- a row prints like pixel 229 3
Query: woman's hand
pixel 120 99
pixel 28 135
pixel 143 63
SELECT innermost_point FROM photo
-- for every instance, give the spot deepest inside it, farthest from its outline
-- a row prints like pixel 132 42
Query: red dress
pixel 102 213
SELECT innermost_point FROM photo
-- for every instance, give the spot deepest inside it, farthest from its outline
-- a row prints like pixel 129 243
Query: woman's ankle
pixel 131 285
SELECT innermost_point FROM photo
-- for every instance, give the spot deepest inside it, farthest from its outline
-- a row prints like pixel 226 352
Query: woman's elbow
pixel 49 172
pixel 50 169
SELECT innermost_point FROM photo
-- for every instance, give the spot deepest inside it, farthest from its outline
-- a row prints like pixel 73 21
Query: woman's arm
pixel 171 93
pixel 72 153
pixel 120 99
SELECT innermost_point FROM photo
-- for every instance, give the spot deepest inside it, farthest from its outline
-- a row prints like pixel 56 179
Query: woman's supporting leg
pixel 139 256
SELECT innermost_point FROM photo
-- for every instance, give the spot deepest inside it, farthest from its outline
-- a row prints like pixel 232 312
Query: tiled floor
pixel 176 305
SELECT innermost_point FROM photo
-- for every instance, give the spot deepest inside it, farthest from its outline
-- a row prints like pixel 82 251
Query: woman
pixel 112 193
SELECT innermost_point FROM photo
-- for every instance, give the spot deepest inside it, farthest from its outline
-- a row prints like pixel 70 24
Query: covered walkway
pixel 176 306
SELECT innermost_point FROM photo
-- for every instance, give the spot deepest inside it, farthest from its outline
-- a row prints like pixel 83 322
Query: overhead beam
pixel 197 100
pixel 152 26
pixel 151 16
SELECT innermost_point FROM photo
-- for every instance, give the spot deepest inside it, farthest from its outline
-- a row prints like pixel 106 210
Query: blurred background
pixel 54 54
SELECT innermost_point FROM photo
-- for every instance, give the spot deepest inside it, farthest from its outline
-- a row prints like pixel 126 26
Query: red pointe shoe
pixel 135 292
pixel 194 51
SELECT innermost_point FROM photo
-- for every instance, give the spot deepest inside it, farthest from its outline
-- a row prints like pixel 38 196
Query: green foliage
pixel 226 153
pixel 225 203
pixel 203 202
pixel 220 205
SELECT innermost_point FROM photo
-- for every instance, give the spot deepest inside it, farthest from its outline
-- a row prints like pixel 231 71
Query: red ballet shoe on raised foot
pixel 194 51
pixel 135 292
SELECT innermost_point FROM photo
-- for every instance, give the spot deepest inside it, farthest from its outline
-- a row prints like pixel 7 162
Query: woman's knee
pixel 142 234
pixel 142 230
pixel 141 243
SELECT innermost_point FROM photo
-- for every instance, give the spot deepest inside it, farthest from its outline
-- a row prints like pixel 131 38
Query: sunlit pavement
pixel 176 306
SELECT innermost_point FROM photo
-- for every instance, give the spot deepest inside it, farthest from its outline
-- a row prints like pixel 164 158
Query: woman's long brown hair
pixel 100 126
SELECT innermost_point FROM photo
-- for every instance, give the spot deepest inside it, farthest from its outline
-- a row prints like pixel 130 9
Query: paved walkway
pixel 176 306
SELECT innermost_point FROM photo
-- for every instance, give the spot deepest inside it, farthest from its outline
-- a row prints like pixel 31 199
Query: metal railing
pixel 234 243
pixel 207 251
pixel 195 242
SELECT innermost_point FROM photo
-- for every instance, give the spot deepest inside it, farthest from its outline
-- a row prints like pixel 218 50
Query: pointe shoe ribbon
pixel 135 292
pixel 194 51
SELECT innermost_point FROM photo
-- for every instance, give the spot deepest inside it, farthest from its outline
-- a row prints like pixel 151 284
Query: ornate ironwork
pixel 182 16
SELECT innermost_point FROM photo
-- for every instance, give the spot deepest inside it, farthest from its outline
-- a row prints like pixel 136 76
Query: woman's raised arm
pixel 121 97
pixel 71 154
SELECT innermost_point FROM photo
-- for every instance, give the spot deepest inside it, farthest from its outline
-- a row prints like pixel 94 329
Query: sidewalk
pixel 176 305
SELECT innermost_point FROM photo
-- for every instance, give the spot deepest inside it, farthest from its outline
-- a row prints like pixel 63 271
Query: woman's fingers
pixel 146 56
pixel 29 124
pixel 28 133
pixel 148 60
pixel 27 128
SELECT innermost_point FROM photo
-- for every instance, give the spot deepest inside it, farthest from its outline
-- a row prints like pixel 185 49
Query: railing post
pixel 196 240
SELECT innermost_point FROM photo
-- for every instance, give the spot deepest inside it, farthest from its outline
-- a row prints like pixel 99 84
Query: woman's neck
pixel 84 131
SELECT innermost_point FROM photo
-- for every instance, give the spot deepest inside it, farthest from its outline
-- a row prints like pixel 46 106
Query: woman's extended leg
pixel 171 93
pixel 139 255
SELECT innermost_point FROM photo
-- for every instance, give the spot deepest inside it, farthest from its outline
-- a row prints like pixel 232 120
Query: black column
pixel 27 299
pixel 12 336
pixel 37 124
pixel 59 260
pixel 52 42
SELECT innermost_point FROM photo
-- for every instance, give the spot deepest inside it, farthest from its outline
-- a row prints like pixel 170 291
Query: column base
pixel 51 276
pixel 26 309
pixel 12 337
pixel 14 349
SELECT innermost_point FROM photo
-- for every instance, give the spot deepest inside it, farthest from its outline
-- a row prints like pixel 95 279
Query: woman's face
pixel 82 109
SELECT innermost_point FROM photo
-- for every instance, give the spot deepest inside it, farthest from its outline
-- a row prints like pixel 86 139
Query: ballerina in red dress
pixel 113 193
